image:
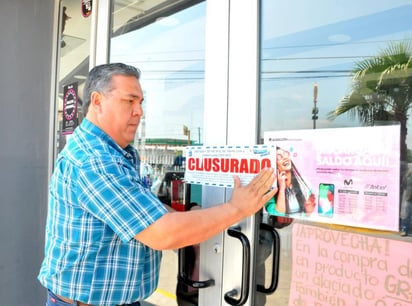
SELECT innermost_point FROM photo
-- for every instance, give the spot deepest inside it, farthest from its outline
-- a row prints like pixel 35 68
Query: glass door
pixel 168 47
pixel 73 52
pixel 165 40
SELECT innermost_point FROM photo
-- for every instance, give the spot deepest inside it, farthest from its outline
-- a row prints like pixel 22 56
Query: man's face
pixel 121 109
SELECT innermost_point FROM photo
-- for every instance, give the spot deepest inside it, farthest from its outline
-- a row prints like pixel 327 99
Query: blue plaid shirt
pixel 97 204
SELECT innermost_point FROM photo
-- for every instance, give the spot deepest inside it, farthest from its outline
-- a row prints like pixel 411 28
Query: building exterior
pixel 214 72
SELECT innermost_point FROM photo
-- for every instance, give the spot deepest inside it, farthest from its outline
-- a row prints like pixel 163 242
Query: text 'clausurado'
pixel 229 165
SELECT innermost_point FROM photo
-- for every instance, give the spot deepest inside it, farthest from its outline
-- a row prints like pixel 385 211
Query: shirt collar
pixel 89 127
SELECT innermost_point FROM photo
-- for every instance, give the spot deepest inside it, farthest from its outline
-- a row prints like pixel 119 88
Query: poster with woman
pixel 296 196
pixel 347 176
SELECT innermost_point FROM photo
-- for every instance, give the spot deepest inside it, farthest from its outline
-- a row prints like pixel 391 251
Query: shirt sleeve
pixel 113 193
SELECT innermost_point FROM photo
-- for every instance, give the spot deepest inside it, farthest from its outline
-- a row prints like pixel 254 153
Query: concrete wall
pixel 26 39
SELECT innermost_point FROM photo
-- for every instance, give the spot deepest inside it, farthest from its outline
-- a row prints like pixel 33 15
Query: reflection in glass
pixel 381 89
pixel 169 51
pixel 325 60
pixel 320 43
pixel 73 64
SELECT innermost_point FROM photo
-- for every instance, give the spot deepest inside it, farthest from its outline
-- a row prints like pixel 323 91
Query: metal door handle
pixel 183 275
pixel 276 255
pixel 244 290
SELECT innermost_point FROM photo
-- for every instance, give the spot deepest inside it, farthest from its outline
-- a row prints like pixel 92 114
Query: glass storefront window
pixel 167 44
pixel 319 44
pixel 331 64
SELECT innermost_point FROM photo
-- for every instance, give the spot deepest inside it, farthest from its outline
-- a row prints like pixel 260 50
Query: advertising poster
pixel 86 8
pixel 331 267
pixel 347 176
pixel 216 165
pixel 69 108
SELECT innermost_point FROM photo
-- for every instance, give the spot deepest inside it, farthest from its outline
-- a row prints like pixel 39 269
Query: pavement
pixel 165 293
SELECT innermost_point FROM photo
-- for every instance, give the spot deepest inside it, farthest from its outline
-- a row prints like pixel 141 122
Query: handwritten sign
pixel 216 165
pixel 331 267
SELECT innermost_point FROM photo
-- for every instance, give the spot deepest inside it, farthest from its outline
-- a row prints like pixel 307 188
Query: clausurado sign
pixel 216 165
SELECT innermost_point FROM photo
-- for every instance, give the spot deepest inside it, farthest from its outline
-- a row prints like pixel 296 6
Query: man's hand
pixel 250 198
pixel 207 222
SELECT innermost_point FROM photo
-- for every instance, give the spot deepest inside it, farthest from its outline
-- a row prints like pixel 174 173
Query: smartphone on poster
pixel 326 199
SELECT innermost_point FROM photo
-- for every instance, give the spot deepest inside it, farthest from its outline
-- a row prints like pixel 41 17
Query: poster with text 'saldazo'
pixel 347 176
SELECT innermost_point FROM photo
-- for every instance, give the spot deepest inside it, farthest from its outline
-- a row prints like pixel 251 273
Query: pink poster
pixel 346 176
pixel 331 267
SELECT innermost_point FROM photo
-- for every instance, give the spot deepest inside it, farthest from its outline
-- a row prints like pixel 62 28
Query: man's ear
pixel 96 101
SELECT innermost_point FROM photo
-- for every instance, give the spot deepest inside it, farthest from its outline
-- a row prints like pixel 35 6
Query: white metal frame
pixel 242 120
pixel 100 32
pixel 215 133
pixel 53 91
pixel 231 112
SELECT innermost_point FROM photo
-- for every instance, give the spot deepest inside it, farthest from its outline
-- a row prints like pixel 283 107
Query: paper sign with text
pixel 331 267
pixel 216 165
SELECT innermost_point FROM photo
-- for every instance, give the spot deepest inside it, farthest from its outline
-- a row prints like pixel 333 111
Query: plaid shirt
pixel 97 204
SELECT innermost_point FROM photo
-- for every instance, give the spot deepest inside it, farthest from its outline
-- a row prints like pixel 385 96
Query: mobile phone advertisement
pixel 216 165
pixel 347 176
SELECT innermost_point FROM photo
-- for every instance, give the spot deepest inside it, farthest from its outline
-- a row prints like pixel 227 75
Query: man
pixel 104 228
